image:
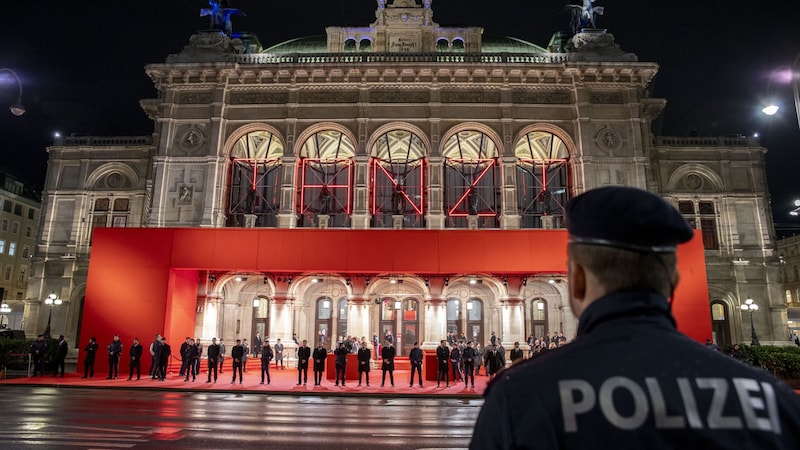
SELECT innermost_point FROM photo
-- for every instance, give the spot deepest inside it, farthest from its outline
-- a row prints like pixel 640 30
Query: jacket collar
pixel 619 305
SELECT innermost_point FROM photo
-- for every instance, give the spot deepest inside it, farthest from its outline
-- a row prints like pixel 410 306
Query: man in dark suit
pixel 387 355
pixel 341 362
pixel 516 353
pixel 164 352
pixel 415 358
pixel 88 361
pixel 213 359
pixel 237 354
pixel 364 356
pixel 442 357
pixel 318 355
pixel 61 354
pixel 136 359
pixel 303 354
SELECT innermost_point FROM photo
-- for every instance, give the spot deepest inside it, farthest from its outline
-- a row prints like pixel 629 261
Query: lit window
pixel 255 179
pixel 542 179
pixel 12 248
pixel 3 248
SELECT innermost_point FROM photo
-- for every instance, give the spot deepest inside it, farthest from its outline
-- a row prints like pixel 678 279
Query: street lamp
pixel 4 309
pixel 16 108
pixel 793 77
pixel 51 300
pixel 750 305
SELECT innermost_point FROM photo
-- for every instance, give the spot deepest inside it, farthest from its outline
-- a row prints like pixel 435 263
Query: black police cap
pixel 626 218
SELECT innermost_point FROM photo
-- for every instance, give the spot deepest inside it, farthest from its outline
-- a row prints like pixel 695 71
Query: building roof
pixel 318 44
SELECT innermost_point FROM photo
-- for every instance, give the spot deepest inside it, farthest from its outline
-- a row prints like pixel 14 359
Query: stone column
pixel 281 318
pixel 513 321
pixel 435 217
pixel 358 314
pixel 435 312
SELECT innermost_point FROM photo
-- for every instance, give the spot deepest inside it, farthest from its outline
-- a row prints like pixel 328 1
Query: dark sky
pixel 82 62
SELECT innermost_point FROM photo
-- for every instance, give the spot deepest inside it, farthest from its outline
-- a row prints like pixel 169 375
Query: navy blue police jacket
pixel 631 380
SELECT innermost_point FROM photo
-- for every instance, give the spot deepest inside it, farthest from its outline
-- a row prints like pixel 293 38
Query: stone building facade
pixel 403 124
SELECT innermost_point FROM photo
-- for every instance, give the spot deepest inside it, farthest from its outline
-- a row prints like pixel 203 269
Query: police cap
pixel 626 218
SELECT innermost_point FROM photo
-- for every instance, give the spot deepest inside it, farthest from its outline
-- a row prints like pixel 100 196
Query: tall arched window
pixel 397 179
pixel 720 325
pixel 341 318
pixel 410 324
pixel 475 320
pixel 325 179
pixel 539 318
pixel 260 316
pixel 255 179
pixel 454 317
pixel 542 179
pixel 471 174
pixel 324 322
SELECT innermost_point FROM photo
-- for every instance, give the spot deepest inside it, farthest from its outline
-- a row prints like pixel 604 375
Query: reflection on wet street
pixel 102 418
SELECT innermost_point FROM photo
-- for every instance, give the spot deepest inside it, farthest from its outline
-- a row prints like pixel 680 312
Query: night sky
pixel 82 63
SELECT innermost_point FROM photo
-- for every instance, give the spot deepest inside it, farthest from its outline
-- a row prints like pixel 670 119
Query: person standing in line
pixel 221 354
pixel 415 357
pixel 213 359
pixel 278 354
pixel 494 362
pixel 303 354
pixel 341 362
pixel 648 385
pixel 455 360
pixel 246 348
pixel 237 354
pixel 164 353
pixel 486 352
pixel 502 352
pixel 364 355
pixel 493 339
pixel 114 353
pixel 198 354
pixel 478 358
pixel 468 356
pixel 135 359
pixel 61 354
pixel 88 361
pixel 258 342
pixel 191 357
pixel 319 356
pixel 38 349
pixel 442 357
pixel 516 353
pixel 155 346
pixel 186 357
pixel 387 356
pixel 266 357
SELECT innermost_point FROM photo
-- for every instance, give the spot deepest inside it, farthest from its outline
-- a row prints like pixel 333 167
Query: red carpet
pixel 282 381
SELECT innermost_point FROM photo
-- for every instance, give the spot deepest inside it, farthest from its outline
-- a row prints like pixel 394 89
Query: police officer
pixel 630 379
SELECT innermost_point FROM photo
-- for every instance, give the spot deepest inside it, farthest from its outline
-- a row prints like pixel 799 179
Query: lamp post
pixel 750 305
pixel 51 300
pixel 4 309
pixel 16 108
pixel 793 78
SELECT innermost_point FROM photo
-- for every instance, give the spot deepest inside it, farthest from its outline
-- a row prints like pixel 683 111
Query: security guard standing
pixel 630 379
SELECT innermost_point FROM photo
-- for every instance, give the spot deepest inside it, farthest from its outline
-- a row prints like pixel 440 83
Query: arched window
pixel 442 45
pixel 539 318
pixel 325 185
pixel 260 316
pixel 389 308
pixel 324 322
pixel 410 324
pixel 475 320
pixel 471 174
pixel 341 318
pixel 458 45
pixel 542 179
pixel 454 317
pixel 255 180
pixel 350 45
pixel 397 179
pixel 720 326
pixel 365 45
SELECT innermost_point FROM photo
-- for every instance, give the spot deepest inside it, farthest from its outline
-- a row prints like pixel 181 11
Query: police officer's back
pixel 630 380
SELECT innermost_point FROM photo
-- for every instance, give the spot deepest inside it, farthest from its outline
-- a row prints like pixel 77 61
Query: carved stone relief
pixel 399 97
pixel 195 98
pixel 530 97
pixel 190 139
pixel 608 98
pixel 328 97
pixel 470 97
pixel 609 140
pixel 248 98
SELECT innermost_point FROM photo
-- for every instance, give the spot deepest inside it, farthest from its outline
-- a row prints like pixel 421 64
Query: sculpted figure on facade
pixel 583 14
pixel 220 13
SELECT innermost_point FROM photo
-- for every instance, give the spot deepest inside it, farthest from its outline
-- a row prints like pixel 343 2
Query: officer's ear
pixel 577 280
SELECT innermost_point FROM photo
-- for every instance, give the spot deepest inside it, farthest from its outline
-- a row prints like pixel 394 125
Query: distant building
pixel 402 124
pixel 19 221
pixel 789 251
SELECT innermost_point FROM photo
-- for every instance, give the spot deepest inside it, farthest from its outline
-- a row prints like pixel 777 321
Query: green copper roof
pixel 318 44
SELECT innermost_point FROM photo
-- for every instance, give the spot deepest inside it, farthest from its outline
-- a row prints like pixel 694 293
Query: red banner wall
pixel 143 281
